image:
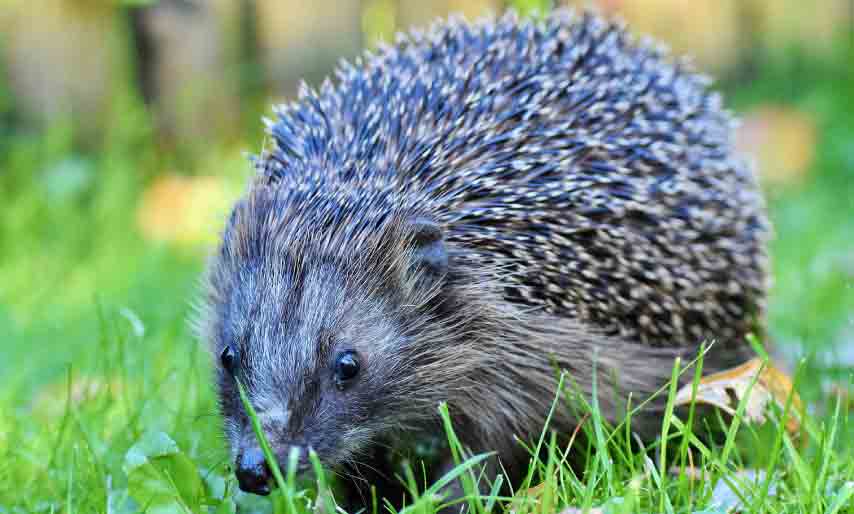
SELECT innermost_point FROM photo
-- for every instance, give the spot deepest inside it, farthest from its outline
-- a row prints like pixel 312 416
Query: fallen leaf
pixel 726 389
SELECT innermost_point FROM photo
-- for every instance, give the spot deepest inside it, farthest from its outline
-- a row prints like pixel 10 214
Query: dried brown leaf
pixel 724 390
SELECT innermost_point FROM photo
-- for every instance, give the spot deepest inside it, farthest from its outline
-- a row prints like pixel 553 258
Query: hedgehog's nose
pixel 252 472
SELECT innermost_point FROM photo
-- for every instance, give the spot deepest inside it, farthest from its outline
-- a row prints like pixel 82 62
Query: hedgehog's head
pixel 318 313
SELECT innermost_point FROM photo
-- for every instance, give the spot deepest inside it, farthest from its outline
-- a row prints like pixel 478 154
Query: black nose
pixel 252 472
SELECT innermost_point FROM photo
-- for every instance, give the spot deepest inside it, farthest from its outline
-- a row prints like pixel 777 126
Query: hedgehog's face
pixel 322 351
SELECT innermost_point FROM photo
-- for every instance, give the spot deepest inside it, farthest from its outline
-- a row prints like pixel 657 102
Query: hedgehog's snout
pixel 253 473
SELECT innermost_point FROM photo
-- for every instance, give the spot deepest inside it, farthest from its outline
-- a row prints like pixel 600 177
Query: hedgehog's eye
pixel 346 368
pixel 228 358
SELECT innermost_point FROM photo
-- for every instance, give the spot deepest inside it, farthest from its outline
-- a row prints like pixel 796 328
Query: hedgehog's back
pixel 596 170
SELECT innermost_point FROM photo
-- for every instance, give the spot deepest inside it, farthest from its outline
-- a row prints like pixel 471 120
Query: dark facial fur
pixel 468 212
pixel 291 298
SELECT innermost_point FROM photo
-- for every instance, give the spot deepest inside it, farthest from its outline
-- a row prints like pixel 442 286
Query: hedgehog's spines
pixel 593 216
pixel 553 142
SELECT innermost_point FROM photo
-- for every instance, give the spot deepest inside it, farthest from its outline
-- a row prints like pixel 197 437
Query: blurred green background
pixel 123 132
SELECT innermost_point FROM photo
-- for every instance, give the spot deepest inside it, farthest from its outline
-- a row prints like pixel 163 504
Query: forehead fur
pixel 284 243
pixel 324 222
pixel 294 319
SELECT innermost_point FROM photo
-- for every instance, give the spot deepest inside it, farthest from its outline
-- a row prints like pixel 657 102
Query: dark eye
pixel 228 358
pixel 346 368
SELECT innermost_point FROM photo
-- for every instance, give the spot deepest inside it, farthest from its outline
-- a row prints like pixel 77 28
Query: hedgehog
pixel 468 217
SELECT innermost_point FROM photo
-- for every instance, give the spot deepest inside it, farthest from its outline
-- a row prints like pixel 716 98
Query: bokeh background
pixel 124 129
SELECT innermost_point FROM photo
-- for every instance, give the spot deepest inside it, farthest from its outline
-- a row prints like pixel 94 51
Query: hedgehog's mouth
pixel 255 476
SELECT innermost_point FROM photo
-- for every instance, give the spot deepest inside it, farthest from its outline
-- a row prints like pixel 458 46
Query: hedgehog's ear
pixel 430 257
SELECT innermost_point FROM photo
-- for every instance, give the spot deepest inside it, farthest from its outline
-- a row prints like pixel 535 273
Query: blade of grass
pixel 293 460
pixel 602 454
pixel 665 430
pixel 778 442
pixel 467 479
pixel 539 446
pixel 458 471
pixel 259 434
pixel 656 479
pixel 687 430
pixel 69 493
pixel 323 492
pixel 493 493
pixel 842 498
pixel 729 444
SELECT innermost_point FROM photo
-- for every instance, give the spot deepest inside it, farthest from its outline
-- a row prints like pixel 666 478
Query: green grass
pixel 84 299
